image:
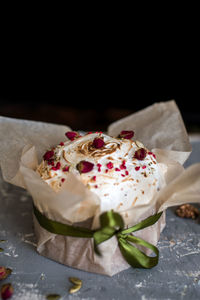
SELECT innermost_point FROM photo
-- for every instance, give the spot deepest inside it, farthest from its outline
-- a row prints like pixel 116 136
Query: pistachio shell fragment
pixel 8 271
pixel 75 281
pixel 74 289
pixel 1 249
pixel 139 144
pixel 53 297
pixel 77 284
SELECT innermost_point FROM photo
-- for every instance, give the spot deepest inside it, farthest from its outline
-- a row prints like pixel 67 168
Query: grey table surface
pixel 177 276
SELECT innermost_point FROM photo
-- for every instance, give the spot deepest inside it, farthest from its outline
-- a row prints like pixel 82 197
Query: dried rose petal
pixel 50 162
pixel 137 168
pixel 126 134
pixel 109 165
pixel 84 166
pixel 57 167
pixel 99 167
pixel 66 169
pixel 71 135
pixel 98 143
pixel 140 154
pixel 151 153
pixel 2 273
pixel 6 291
pixel 48 155
pixel 122 167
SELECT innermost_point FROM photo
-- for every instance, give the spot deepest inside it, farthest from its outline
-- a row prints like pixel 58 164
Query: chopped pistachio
pixel 53 297
pixel 74 289
pixel 75 280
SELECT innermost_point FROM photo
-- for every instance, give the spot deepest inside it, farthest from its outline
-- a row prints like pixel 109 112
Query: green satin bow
pixel 111 223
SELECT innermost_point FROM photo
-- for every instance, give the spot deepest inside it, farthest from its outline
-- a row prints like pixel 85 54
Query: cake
pixel 120 170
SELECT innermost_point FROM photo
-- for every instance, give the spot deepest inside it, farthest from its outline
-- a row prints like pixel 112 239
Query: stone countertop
pixel 177 275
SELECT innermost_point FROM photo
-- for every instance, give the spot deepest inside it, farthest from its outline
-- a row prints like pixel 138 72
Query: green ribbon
pixel 111 223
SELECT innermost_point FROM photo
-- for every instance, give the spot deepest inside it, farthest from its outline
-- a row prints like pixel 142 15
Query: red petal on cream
pixel 98 143
pixel 48 155
pixel 140 154
pixel 71 135
pixel 85 166
pixel 126 134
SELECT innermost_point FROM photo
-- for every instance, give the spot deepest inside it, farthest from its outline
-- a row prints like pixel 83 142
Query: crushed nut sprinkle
pixel 187 211
pixel 133 203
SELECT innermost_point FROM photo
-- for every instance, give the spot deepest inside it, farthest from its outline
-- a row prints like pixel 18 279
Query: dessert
pixel 121 171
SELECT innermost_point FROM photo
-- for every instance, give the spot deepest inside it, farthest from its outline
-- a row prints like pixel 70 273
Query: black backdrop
pixel 95 108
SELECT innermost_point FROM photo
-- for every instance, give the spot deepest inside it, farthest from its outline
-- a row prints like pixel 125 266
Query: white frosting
pixel 118 188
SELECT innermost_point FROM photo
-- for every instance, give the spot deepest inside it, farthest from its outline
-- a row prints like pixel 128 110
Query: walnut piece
pixel 187 211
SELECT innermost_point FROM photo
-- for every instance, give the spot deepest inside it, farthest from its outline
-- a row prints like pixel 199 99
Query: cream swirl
pixel 119 179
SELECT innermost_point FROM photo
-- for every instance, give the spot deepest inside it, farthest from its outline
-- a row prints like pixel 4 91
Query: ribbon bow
pixel 111 223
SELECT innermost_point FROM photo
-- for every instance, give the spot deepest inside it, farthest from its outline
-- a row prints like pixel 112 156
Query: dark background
pixel 95 109
pixel 106 70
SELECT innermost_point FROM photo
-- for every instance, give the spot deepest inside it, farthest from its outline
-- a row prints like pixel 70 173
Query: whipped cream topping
pixel 119 179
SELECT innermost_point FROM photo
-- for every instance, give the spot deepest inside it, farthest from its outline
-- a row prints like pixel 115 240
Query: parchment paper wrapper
pixel 159 127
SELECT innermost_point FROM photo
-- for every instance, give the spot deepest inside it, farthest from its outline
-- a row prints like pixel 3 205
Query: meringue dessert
pixel 121 171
